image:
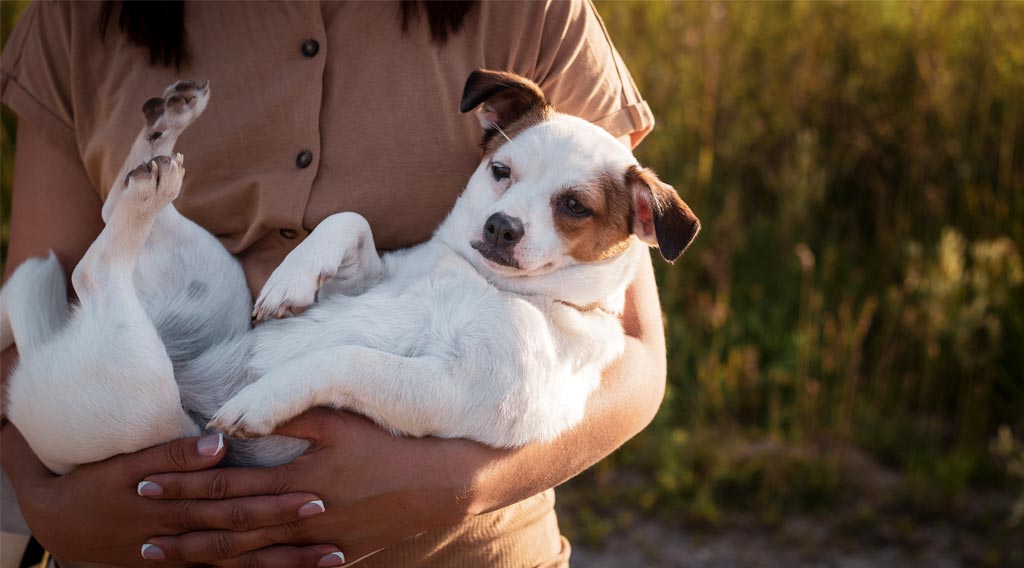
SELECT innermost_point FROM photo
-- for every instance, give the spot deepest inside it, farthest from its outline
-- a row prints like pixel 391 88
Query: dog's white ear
pixel 503 97
pixel 660 217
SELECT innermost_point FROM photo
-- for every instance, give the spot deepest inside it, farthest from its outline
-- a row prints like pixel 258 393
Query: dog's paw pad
pixel 155 183
pixel 186 88
pixel 187 96
pixel 143 174
pixel 153 109
pixel 180 105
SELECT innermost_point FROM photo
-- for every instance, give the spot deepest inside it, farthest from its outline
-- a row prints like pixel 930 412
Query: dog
pixel 497 329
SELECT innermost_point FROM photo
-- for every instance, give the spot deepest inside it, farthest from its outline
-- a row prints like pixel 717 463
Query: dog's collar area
pixel 497 283
pixel 587 308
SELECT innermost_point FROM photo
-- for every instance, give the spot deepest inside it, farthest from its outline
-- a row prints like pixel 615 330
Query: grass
pixel 859 168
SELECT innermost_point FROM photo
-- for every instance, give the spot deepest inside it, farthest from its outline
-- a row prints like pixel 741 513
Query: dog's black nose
pixel 502 230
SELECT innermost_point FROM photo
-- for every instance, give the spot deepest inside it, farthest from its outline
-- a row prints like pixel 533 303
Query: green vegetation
pixel 858 287
pixel 859 168
pixel 9 12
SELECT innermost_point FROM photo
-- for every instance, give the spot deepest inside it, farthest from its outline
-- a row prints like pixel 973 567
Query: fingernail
pixel 150 489
pixel 211 445
pixel 154 552
pixel 332 559
pixel 312 508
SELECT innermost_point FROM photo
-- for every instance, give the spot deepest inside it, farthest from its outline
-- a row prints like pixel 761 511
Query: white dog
pixel 497 329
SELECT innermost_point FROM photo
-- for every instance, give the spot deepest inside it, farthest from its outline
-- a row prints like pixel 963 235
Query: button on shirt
pixel 304 159
pixel 310 47
pixel 318 109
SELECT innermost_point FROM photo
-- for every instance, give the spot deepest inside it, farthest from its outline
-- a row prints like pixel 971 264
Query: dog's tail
pixel 33 304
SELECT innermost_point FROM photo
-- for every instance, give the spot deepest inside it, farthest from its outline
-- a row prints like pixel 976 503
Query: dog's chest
pixel 427 307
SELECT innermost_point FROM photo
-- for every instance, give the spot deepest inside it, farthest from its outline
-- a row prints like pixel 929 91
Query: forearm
pixel 624 406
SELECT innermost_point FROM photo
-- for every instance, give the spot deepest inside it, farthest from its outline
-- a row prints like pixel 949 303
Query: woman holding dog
pixel 318 109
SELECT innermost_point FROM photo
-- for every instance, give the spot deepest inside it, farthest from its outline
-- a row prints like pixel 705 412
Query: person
pixel 316 108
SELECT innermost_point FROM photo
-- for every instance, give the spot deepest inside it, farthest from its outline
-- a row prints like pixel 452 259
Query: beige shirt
pixel 377 110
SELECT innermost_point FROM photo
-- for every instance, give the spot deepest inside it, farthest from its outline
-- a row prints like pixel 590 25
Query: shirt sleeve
pixel 35 73
pixel 582 73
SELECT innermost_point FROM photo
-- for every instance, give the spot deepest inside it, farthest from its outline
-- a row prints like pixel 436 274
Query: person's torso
pixel 377 111
pixel 315 109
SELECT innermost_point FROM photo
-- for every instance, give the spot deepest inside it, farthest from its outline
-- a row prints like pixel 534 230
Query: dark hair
pixel 159 25
pixel 444 16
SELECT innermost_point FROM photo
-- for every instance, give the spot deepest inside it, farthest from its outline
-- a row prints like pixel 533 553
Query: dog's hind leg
pixel 104 275
pixel 340 251
pixel 105 385
pixel 411 395
pixel 193 290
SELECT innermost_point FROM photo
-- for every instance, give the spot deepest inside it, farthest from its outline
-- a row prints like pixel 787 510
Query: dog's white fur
pixel 432 340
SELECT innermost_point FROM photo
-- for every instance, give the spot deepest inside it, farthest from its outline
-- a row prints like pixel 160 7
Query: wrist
pixel 482 486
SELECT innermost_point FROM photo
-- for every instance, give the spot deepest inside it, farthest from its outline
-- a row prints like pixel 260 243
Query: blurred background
pixel 846 337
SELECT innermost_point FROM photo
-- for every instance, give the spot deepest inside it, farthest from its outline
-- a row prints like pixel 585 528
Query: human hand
pixel 95 513
pixel 378 489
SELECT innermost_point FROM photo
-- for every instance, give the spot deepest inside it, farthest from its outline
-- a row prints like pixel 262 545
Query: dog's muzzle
pixel 498 239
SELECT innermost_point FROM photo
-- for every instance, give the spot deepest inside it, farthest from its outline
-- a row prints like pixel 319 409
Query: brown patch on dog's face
pixel 595 219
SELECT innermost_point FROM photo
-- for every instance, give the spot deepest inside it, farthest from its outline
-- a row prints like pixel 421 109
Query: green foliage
pixel 9 12
pixel 858 168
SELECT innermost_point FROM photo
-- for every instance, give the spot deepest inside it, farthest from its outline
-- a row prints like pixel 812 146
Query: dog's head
pixel 554 191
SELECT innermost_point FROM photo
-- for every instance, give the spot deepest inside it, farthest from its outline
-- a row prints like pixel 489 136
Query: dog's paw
pixel 293 286
pixel 247 415
pixel 151 186
pixel 180 105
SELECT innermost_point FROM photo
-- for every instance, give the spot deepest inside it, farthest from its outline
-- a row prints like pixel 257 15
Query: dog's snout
pixel 502 230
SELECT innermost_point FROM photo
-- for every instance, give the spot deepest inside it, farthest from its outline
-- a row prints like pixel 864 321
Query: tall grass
pixel 9 12
pixel 859 168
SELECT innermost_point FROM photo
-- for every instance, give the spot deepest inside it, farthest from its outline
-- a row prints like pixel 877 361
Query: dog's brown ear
pixel 660 217
pixel 505 97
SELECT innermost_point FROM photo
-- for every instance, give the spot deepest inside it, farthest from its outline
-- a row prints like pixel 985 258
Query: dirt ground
pixel 868 529
pixel 802 542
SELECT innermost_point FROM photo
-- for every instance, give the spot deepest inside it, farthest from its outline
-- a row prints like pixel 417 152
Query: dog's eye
pixel 574 207
pixel 500 171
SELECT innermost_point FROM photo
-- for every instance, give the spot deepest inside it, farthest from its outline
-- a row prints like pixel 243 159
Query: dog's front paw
pixel 293 286
pixel 249 414
pixel 180 105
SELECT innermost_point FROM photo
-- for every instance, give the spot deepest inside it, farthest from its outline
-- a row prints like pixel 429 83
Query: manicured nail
pixel 312 508
pixel 154 552
pixel 332 559
pixel 150 489
pixel 211 445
